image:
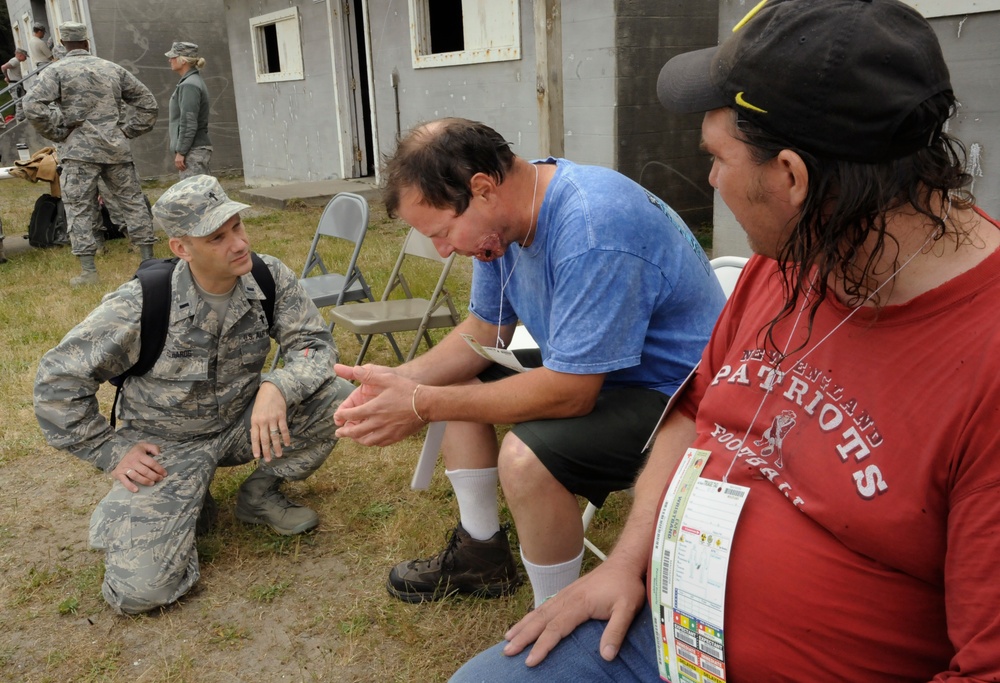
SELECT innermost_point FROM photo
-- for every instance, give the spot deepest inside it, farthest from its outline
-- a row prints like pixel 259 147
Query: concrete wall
pixel 658 149
pixel 288 127
pixel 500 94
pixel 612 51
pixel 969 45
pixel 135 34
pixel 590 76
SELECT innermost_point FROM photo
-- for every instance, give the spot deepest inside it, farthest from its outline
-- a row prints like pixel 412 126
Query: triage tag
pixel 694 534
pixel 503 357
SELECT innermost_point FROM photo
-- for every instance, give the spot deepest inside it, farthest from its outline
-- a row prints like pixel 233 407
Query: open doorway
pixel 363 161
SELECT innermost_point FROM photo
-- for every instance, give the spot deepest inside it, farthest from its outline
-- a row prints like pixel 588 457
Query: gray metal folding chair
pixel 410 313
pixel 344 218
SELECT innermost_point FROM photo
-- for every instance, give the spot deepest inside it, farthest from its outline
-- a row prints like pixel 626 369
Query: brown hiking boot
pixel 482 568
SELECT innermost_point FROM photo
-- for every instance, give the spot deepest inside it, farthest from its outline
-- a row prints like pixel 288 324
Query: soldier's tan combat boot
pixel 261 501
pixel 102 248
pixel 145 252
pixel 88 274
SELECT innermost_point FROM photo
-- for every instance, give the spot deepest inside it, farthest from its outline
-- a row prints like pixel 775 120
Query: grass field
pixel 267 608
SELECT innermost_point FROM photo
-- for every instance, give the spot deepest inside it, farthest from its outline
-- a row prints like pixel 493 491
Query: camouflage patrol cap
pixel 195 207
pixel 182 50
pixel 72 31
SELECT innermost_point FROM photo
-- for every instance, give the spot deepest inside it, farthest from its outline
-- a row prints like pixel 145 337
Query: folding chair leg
pixel 428 456
pixel 588 515
pixel 368 342
pixel 364 349
pixel 395 347
pixel 594 549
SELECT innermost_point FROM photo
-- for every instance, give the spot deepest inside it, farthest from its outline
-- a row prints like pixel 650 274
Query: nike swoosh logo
pixel 746 105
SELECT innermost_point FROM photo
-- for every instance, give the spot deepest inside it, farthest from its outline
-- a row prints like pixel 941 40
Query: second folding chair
pixel 411 313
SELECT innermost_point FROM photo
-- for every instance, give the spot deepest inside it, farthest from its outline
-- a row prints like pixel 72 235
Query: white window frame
pixel 951 8
pixel 286 23
pixel 25 36
pixel 496 46
pixel 54 21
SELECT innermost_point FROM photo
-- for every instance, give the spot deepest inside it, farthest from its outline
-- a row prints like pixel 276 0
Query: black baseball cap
pixel 838 78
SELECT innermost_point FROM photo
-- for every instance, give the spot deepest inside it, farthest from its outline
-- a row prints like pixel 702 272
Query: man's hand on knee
pixel 269 423
pixel 610 593
pixel 139 466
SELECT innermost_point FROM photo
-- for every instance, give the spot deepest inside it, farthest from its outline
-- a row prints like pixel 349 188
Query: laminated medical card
pixel 694 535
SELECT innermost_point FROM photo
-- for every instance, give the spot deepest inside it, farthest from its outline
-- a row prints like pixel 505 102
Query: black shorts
pixel 596 453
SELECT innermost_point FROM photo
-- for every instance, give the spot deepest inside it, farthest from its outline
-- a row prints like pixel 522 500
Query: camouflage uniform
pixel 195 404
pixel 76 102
pixel 196 161
pixel 188 111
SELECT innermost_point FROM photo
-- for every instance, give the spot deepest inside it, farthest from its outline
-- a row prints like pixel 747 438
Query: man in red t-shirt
pixel 848 395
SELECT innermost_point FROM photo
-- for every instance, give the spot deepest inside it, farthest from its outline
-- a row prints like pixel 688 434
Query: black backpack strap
pixel 156 288
pixel 154 277
pixel 262 274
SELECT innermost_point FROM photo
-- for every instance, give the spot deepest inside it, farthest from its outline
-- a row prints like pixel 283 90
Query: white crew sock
pixel 547 580
pixel 476 492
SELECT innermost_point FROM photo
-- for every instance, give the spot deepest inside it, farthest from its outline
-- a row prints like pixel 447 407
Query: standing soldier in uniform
pixel 76 103
pixel 12 75
pixel 189 109
pixel 203 404
pixel 40 52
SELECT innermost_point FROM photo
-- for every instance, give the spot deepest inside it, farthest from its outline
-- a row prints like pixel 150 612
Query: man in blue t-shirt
pixel 618 295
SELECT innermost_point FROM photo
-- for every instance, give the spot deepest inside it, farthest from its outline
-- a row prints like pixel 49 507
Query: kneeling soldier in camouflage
pixel 203 404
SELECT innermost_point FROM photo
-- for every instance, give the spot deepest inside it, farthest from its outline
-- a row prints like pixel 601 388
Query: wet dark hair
pixel 439 159
pixel 847 202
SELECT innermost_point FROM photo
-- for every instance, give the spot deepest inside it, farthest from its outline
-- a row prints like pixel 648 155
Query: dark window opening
pixel 269 42
pixel 445 18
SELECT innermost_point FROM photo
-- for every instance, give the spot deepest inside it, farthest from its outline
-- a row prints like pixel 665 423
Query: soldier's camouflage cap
pixel 182 50
pixel 72 31
pixel 195 207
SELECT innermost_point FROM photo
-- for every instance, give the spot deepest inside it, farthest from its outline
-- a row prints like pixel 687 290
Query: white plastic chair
pixel 727 271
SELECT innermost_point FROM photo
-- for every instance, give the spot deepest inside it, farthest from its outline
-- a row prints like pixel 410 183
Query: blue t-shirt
pixel 614 282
